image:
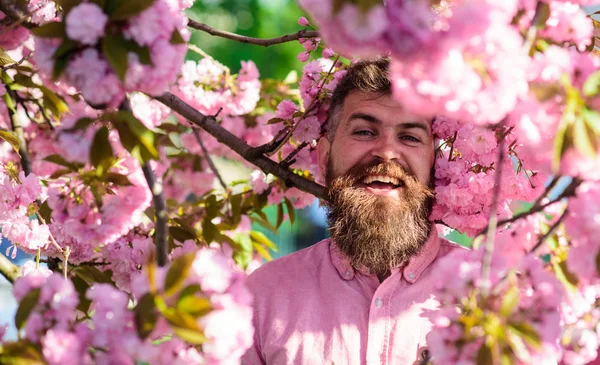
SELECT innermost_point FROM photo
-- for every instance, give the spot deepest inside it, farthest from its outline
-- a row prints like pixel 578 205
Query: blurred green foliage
pixel 254 18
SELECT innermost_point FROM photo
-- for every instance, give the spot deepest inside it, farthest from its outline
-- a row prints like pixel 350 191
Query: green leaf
pixel 45 211
pixel 591 86
pixel 178 272
pixel 261 219
pixel 527 333
pixel 262 251
pixel 5 58
pixel 260 238
pixel 279 215
pixel 184 326
pixel 194 305
pixel 59 160
pixel 584 138
pixel 291 210
pixel 509 302
pixel 101 152
pixel 135 137
pixel 176 38
pixel 560 144
pixel 54 102
pixel 484 356
pixel 60 65
pixel 66 47
pixel 21 352
pixel 24 80
pixel 82 286
pixel 117 179
pixel 10 102
pixel 12 139
pixel 81 124
pixel 115 51
pixel 67 5
pixel 146 316
pixel 592 119
pixel 211 207
pixel 275 120
pixel 50 30
pixel 92 275
pixel 209 231
pixel 236 208
pixel 26 307
pixel 122 9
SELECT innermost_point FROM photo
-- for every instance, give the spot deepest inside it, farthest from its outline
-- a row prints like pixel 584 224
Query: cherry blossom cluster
pixel 19 197
pixel 65 335
pixel 227 326
pixel 465 175
pixel 108 54
pixel 13 35
pixel 463 59
pixel 518 316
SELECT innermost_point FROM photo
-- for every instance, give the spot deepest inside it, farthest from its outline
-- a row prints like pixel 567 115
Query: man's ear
pixel 323 155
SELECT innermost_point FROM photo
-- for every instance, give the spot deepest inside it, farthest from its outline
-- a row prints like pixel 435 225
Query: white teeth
pixel 381 178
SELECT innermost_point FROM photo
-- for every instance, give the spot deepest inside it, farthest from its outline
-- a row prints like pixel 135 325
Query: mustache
pixel 392 169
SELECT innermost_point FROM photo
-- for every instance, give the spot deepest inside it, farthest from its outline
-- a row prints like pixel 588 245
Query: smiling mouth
pixel 381 183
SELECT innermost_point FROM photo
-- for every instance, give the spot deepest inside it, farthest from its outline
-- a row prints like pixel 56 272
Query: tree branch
pixel 18 129
pixel 265 42
pixel 160 205
pixel 211 164
pixel 240 146
pixel 13 10
pixel 550 231
pixel 9 270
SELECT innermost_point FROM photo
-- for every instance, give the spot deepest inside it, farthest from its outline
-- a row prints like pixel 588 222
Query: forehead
pixel 382 107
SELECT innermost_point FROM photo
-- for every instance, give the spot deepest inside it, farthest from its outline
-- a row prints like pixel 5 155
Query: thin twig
pixel 18 129
pixel 67 253
pixel 209 159
pixel 289 160
pixel 240 146
pixel 547 191
pixel 160 205
pixel 550 231
pixel 9 270
pixel 492 224
pixel 265 42
pixel 162 217
pixel 568 192
pixel 306 112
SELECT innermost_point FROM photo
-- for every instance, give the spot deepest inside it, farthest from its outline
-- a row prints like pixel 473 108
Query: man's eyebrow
pixel 372 119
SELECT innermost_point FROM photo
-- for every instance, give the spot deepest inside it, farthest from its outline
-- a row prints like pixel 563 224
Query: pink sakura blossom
pixel 85 23
pixel 204 86
pixel 258 181
pixel 447 341
pixel 61 347
pixel 583 219
pixel 299 198
pixel 285 109
pixel 308 130
pixel 303 21
pixel 42 11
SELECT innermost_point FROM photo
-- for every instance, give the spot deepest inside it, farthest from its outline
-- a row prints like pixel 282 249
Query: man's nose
pixel 386 148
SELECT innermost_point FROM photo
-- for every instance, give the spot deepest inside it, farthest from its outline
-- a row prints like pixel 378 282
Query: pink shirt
pixel 312 307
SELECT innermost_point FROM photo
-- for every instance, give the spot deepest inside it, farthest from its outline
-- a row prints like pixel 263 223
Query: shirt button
pixel 378 302
pixel 411 275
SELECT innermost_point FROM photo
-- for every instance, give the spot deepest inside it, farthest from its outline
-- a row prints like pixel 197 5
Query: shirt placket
pixel 380 321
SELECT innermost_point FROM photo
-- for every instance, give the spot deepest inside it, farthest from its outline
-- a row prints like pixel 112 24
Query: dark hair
pixel 368 76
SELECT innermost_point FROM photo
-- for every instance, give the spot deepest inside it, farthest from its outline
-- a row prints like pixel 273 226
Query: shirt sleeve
pixel 254 354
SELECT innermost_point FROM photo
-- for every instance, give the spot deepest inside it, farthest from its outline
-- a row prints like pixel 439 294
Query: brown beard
pixel 377 232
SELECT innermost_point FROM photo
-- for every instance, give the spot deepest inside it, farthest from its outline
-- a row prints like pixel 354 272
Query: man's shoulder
pixel 299 263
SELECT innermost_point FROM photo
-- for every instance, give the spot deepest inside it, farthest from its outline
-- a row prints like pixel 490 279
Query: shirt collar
pixel 411 271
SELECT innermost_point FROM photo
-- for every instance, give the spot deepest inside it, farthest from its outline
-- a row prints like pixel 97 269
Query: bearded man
pixel 366 295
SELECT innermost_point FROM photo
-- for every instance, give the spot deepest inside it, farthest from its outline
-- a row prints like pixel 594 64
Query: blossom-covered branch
pixel 239 146
pixel 265 42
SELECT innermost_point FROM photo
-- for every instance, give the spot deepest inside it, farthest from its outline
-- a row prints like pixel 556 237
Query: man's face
pixel 378 176
pixel 373 129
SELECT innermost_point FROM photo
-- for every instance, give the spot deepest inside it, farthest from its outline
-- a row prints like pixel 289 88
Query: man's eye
pixel 363 132
pixel 410 138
